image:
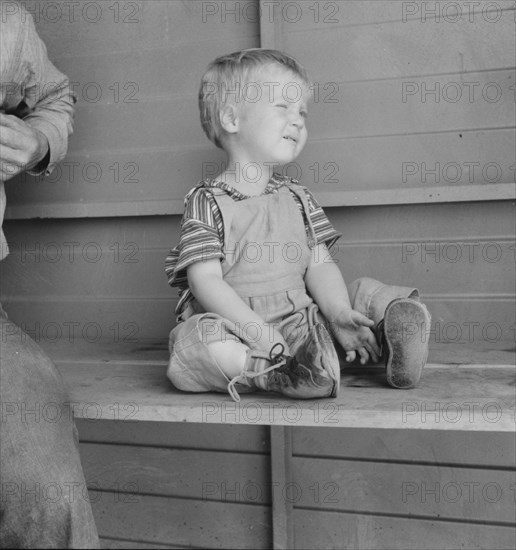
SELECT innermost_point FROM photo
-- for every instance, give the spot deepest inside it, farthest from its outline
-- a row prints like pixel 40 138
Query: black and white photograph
pixel 258 274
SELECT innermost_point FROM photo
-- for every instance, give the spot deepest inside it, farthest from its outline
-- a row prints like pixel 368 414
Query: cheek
pixel 304 136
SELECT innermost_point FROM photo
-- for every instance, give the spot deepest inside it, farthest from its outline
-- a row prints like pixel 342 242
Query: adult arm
pixel 35 136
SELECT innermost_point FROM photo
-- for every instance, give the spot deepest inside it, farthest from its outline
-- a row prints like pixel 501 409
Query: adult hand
pixel 21 146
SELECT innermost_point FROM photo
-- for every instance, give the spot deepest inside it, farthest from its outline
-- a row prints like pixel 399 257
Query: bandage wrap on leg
pixel 313 372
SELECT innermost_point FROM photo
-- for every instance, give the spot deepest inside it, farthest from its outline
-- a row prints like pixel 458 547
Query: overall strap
pixel 299 191
pixel 226 206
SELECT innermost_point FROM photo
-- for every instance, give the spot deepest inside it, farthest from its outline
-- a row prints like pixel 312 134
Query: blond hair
pixel 225 78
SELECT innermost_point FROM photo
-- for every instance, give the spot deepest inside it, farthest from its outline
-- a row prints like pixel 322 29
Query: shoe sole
pixel 406 330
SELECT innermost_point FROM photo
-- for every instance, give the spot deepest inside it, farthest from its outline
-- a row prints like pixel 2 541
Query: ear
pixel 229 119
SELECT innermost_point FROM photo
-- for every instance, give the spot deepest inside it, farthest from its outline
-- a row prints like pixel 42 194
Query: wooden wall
pixel 400 92
pixel 178 485
pixel 412 129
pixel 98 254
pixel 88 249
pixel 92 238
pixel 171 486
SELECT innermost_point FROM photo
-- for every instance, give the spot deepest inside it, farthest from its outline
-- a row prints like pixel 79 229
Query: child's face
pixel 272 117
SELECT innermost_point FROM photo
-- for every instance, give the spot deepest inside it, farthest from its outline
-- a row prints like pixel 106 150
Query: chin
pixel 285 159
pixel 282 162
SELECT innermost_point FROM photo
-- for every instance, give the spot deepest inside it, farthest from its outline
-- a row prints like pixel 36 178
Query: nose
pixel 297 120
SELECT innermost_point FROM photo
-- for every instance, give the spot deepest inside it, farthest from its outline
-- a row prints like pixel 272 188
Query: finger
pixel 14 138
pixel 9 155
pixel 9 121
pixel 13 158
pixel 375 357
pixel 364 356
pixel 8 135
pixel 16 133
pixel 373 346
pixel 360 319
pixel 8 171
pixel 350 356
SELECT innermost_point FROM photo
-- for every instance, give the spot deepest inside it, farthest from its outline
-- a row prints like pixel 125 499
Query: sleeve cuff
pixel 56 147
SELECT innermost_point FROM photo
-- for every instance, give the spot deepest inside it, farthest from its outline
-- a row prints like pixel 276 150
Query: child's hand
pixel 353 332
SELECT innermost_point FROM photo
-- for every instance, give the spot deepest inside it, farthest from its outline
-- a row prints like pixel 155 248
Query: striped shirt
pixel 202 229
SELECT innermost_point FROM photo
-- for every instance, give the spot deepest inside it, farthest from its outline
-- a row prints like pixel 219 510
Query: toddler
pixel 262 306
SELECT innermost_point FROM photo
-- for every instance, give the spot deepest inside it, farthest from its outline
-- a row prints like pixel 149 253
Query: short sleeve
pixel 323 229
pixel 201 238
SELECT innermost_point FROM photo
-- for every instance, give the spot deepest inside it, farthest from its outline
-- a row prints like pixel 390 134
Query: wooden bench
pixel 373 447
pixel 128 383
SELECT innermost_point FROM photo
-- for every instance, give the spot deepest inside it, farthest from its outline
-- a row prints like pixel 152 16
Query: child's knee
pixel 229 355
pixel 363 285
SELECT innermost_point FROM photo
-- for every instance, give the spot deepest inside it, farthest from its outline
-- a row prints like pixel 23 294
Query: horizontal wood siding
pixel 160 484
pixel 186 523
pixel 442 448
pixel 105 277
pixel 402 96
pixel 172 484
pixel 386 128
pixel 137 135
pixel 383 489
pixel 329 530
pixel 402 114
pixel 408 101
pixel 188 474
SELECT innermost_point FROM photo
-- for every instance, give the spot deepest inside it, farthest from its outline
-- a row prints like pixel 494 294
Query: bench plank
pixel 450 397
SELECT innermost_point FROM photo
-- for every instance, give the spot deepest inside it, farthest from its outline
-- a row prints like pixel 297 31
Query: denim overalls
pixel 267 246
